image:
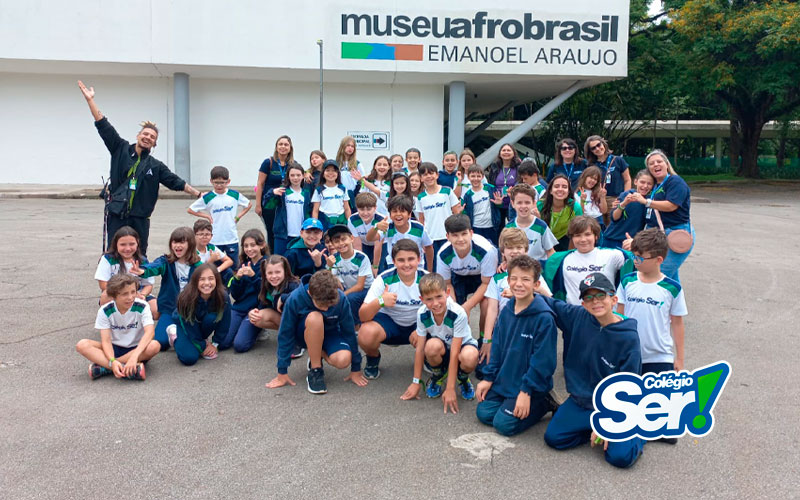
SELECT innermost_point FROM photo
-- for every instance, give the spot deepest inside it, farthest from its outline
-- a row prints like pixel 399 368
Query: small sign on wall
pixel 370 139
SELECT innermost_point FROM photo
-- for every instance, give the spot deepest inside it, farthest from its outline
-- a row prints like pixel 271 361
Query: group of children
pixel 365 260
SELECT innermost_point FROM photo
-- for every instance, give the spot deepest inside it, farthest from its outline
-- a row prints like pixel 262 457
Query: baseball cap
pixel 597 281
pixel 311 223
pixel 330 163
pixel 338 229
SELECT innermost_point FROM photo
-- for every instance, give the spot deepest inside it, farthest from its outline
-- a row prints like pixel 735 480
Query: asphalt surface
pixel 214 430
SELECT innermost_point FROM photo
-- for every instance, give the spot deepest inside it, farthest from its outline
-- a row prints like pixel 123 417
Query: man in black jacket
pixel 135 175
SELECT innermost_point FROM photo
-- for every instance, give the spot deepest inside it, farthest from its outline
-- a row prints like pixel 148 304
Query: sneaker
pixel 435 386
pixel 553 401
pixel 298 352
pixel 308 363
pixel 263 334
pixel 668 440
pixel 172 334
pixel 467 390
pixel 97 371
pixel 316 381
pixel 371 370
pixel 139 374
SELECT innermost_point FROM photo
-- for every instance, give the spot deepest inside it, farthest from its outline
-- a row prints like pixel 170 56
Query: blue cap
pixel 330 163
pixel 311 223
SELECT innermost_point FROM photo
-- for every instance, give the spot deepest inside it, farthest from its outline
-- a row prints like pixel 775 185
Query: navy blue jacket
pixel 280 227
pixel 469 206
pixel 205 323
pixel 170 288
pixel 299 260
pixel 338 321
pixel 272 300
pixel 632 220
pixel 593 352
pixel 244 290
pixel 523 350
pixel 447 180
pixel 571 170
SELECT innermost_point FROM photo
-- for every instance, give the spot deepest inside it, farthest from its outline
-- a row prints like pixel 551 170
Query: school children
pixel 331 201
pixel 351 267
pixel 564 271
pixel 293 206
pixel 465 160
pixel 396 162
pixel 467 263
pixel 203 232
pixel 399 226
pixel 414 184
pixel 483 214
pixel 277 283
pixel 444 344
pixel 413 159
pixel 317 315
pixel 378 183
pixel 221 209
pixel 529 174
pixel 175 269
pixel 628 217
pixel 399 186
pixel 124 248
pixel 203 311
pixel 591 193
pixel 315 159
pixel 306 254
pixel 389 312
pixel 244 289
pixel 541 241
pixel 126 333
pixel 449 176
pixel 361 222
pixel 514 392
pixel 434 204
pixel 350 168
pixel 597 343
pixel 558 208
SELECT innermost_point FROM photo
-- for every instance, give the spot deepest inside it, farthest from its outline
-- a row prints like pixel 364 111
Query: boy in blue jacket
pixel 317 315
pixel 514 392
pixel 597 343
pixel 306 254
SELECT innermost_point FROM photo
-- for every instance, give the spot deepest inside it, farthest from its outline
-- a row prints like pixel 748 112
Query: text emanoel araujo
pixel 483 39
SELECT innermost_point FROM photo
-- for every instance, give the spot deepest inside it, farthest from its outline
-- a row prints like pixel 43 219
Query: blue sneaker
pixel 467 390
pixel 435 386
pixel 96 371
pixel 371 370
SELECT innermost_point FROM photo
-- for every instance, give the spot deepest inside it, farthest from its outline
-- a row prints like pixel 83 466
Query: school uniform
pixel 564 271
pixel 349 183
pixel 675 190
pixel 339 333
pixel 448 179
pixel 331 204
pixel 205 257
pixel 193 332
pixel 631 222
pixel 292 208
pixel 573 172
pixel 466 273
pixel 416 232
pixel 299 261
pixel 482 212
pixel 275 172
pixel 244 291
pixel 399 320
pixel 559 221
pixel 436 208
pixel 591 353
pixel 126 329
pixel 174 276
pixel 499 284
pixel 108 266
pixel 349 271
pixel 455 324
pixel 359 229
pixel 540 238
pixel 223 209
pixel 523 359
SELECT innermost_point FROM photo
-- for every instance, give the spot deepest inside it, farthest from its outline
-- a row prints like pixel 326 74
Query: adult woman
pixel 671 197
pixel 557 207
pixel 615 168
pixel 270 176
pixel 567 161
pixel 502 174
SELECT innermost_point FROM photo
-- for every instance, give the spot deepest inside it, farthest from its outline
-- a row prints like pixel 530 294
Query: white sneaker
pixel 263 335
pixel 172 334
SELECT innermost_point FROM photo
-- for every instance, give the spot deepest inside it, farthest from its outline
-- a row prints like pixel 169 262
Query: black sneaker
pixel 298 351
pixel 371 370
pixel 668 440
pixel 316 381
pixel 553 401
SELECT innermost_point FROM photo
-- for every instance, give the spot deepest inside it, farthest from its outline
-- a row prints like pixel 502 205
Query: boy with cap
pixel 350 266
pixel 597 343
pixel 306 254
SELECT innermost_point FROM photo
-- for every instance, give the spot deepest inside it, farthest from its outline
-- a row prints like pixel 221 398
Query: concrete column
pixel 182 143
pixel 455 124
pixel 718 153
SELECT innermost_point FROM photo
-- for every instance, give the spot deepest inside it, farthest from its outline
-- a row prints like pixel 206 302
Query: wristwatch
pixel 648 202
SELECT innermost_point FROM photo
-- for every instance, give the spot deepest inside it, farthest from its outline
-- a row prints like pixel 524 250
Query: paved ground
pixel 213 430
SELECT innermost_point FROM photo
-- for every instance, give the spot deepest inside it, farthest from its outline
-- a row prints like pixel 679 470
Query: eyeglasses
pixel 638 259
pixel 596 146
pixel 597 296
pixel 567 148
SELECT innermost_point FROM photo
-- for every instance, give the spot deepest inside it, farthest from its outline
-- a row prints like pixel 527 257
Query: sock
pixel 373 360
pixel 462 376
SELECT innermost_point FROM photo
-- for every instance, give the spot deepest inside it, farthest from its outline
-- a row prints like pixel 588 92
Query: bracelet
pixel 487 341
pixel 215 344
pixel 415 380
pixel 648 203
pixel 375 267
pixel 380 300
pixel 111 362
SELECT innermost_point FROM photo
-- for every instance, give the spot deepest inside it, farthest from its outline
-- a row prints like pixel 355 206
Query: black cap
pixel 337 230
pixel 330 163
pixel 597 281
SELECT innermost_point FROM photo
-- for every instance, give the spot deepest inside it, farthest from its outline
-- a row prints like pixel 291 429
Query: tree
pixel 747 52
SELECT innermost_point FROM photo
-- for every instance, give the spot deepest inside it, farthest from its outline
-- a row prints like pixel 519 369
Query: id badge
pixel 649 213
pixel 608 178
pixel 505 190
pixel 132 185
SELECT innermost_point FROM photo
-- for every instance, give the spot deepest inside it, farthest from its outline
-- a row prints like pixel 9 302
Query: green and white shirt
pixel 416 232
pixel 349 270
pixel 455 324
pixel 436 208
pixel 404 312
pixel 223 209
pixel 540 237
pixel 481 259
pixel 126 329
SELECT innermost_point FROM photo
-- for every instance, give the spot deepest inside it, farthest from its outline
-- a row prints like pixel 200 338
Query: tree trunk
pixel 751 133
pixel 735 146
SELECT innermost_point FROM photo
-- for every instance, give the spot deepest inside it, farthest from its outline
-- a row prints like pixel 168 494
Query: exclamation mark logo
pixel 710 382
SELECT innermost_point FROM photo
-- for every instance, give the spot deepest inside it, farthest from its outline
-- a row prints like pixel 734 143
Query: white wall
pixel 233 122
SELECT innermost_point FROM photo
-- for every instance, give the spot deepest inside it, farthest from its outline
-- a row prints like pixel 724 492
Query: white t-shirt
pixel 499 284
pixel 436 208
pixel 331 200
pixel 108 266
pixel 182 270
pixel 404 312
pixel 207 255
pixel 589 206
pixel 126 329
pixel 481 259
pixel 482 208
pixel 651 305
pixel 223 209
pixel 294 201
pixel 454 324
pixel 347 179
pixel 577 266
pixel 540 238
pixel 384 187
pixel 416 232
pixel 349 270
pixel 359 228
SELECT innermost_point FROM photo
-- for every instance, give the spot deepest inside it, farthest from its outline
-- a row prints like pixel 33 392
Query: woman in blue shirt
pixel 615 168
pixel 270 176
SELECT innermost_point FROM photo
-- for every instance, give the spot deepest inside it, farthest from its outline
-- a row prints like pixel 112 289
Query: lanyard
pixel 569 172
pixel 659 186
pixel 132 180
